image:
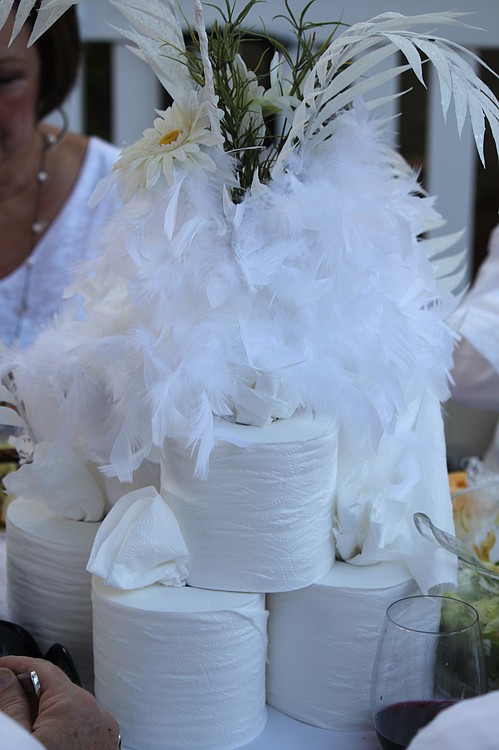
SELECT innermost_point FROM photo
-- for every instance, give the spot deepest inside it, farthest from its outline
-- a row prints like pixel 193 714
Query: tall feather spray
pixel 313 291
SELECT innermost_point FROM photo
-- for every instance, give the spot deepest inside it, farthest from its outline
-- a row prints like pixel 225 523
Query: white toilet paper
pixel 262 520
pixel 322 643
pixel 181 667
pixel 48 587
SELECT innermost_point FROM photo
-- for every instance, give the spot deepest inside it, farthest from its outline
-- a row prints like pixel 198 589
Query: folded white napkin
pixel 259 406
pixel 380 490
pixel 62 480
pixel 470 723
pixel 139 543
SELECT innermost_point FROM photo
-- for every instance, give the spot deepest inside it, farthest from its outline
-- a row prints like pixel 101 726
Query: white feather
pixel 328 88
pixel 339 314
pixel 10 417
pixel 156 32
pixel 315 293
pixel 48 13
pixel 5 9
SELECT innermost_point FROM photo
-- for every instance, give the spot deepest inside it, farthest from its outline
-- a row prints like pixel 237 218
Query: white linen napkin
pixel 61 480
pixel 380 490
pixel 470 723
pixel 139 543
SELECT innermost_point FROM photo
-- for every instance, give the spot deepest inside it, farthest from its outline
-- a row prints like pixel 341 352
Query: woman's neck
pixel 24 199
pixel 20 200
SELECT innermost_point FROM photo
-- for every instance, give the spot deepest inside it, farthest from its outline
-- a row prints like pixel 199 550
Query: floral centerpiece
pixel 269 255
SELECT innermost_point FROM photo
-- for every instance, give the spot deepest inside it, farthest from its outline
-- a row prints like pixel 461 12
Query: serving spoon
pixel 451 543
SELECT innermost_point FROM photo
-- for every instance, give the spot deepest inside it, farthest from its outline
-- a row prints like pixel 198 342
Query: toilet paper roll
pixel 323 640
pixel 181 667
pixel 262 520
pixel 48 587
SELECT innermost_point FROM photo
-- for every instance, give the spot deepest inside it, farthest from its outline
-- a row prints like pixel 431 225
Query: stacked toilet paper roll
pixel 181 667
pixel 261 521
pixel 48 587
pixel 322 643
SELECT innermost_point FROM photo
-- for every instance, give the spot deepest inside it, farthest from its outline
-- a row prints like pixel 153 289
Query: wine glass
pixel 429 656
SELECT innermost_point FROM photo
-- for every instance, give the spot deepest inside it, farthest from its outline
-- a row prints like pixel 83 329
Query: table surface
pixel 281 732
pixel 284 733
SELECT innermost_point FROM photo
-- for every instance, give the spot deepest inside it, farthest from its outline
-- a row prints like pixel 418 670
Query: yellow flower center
pixel 170 137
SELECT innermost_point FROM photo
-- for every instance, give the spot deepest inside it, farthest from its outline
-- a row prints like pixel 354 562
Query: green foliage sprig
pixel 256 104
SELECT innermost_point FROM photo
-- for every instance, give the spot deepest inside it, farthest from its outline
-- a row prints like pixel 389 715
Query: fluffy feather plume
pixel 338 311
pixel 313 291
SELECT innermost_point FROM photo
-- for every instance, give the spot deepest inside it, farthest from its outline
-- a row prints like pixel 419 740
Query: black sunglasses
pixel 16 641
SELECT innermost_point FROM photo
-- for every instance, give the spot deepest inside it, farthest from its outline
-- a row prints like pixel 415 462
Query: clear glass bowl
pixel 476 517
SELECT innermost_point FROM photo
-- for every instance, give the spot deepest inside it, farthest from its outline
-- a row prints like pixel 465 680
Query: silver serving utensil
pixel 432 533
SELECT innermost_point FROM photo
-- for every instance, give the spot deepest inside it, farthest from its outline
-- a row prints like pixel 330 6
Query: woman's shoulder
pixel 80 164
pixel 97 160
pixel 102 153
pixel 87 154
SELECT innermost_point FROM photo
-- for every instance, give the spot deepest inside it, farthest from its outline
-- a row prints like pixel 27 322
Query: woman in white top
pixel 45 180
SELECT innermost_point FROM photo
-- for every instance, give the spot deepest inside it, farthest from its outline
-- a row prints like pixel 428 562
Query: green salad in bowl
pixel 476 518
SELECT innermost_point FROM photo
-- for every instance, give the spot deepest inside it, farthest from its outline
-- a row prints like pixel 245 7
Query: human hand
pixel 67 717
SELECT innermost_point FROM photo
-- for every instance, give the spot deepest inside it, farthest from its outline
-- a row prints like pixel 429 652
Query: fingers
pixel 53 683
pixel 13 700
pixel 68 716
pixel 20 664
pixel 51 677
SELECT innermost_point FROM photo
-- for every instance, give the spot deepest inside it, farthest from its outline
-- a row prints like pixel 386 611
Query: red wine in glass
pixel 429 656
pixel 397 724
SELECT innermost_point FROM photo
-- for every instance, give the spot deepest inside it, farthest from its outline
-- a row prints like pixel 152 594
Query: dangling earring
pixel 54 139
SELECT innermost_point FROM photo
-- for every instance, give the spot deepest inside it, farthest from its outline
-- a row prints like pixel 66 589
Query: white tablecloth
pixel 284 733
pixel 281 732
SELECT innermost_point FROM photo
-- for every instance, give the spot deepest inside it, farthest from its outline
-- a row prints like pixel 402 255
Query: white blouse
pixel 69 239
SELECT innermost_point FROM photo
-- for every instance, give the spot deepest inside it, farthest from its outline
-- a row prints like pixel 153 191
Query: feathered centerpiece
pixel 269 255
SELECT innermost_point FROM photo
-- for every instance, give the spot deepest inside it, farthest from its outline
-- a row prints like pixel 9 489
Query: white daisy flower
pixel 178 138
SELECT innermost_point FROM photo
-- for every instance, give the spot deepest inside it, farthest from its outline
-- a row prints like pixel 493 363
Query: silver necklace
pixel 38 226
